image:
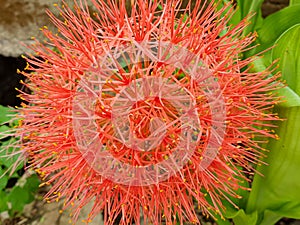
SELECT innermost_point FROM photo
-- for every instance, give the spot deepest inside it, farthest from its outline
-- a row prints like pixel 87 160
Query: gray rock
pixel 20 20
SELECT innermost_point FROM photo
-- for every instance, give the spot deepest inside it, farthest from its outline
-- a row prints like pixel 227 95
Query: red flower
pixel 148 113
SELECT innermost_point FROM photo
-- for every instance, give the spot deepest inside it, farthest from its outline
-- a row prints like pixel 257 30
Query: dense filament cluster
pixel 145 109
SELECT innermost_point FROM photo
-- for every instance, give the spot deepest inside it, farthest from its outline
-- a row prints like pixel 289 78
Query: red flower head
pixel 147 111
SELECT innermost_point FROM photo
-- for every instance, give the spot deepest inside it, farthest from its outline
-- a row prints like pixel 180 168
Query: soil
pixel 39 212
pixel 271 6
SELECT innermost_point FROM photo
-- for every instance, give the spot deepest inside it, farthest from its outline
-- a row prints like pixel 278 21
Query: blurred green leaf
pixel 18 199
pixel 3 202
pixel 294 2
pixel 5 158
pixel 3 128
pixel 31 186
pixel 4 112
pixel 3 179
pixel 19 195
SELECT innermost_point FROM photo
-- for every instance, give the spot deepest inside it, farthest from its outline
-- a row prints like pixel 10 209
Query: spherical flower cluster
pixel 146 110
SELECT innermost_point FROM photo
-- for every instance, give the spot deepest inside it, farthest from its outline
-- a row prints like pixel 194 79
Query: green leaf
pixel 287 50
pixel 231 211
pixel 240 217
pixel 275 25
pixel 278 189
pixel 223 222
pixel 3 179
pixel 292 99
pixel 294 2
pixel 235 16
pixel 4 112
pixel 276 194
pixel 270 217
pixel 18 199
pixel 250 7
pixel 31 186
pixel 4 129
pixel 5 158
pixel 3 202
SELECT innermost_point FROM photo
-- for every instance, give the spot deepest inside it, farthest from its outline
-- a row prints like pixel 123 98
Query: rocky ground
pixel 19 21
pixel 41 213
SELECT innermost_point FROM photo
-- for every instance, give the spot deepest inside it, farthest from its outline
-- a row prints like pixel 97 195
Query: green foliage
pixel 251 8
pixel 4 112
pixel 275 25
pixel 287 50
pixel 294 2
pixel 19 188
pixel 275 194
